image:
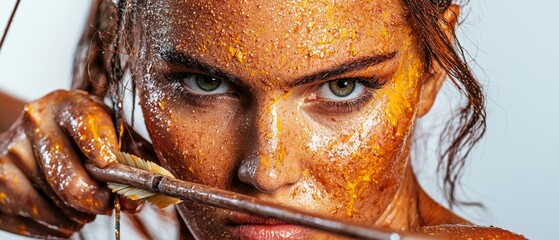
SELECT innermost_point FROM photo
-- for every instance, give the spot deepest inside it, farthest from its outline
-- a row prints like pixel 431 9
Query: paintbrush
pixel 127 177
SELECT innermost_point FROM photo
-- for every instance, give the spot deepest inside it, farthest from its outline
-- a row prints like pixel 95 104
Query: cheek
pixel 195 144
pixel 363 166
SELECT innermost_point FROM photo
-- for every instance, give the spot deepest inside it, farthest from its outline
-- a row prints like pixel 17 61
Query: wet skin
pixel 308 104
pixel 44 188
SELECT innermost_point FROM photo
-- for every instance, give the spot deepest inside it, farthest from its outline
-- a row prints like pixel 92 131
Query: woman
pixel 311 104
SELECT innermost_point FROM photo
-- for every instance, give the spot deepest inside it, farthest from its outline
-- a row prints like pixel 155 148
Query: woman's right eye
pixel 204 84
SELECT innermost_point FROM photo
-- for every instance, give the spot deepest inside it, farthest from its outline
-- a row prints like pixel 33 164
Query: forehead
pixel 276 38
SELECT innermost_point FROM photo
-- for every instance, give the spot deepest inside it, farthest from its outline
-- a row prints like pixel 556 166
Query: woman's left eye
pixel 205 85
pixel 341 90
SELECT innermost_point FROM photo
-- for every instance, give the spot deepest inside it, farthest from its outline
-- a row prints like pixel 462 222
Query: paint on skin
pixel 158 110
pixel 399 105
pixel 321 28
pixel 35 211
pixel 326 35
pixel 371 166
pixel 354 145
pixel 237 54
pixel 367 155
pixel 3 197
pixel 356 184
pixel 182 159
pixel 22 230
pixel 398 109
pixel 273 137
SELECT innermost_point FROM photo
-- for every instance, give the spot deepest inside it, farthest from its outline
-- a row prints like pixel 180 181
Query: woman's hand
pixel 44 187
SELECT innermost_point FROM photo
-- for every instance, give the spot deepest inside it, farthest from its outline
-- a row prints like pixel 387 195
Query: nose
pixel 270 165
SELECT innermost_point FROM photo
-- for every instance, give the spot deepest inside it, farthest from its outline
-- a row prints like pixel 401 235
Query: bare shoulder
pixel 456 231
pixel 440 223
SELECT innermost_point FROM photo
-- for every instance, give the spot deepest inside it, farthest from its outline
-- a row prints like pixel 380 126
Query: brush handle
pixel 187 191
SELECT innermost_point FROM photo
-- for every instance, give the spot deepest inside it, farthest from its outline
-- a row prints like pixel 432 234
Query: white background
pixel 514 171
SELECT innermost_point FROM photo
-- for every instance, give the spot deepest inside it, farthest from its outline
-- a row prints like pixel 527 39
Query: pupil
pixel 342 88
pixel 207 83
pixel 342 84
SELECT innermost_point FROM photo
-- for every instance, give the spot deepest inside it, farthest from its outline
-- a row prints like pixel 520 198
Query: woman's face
pixel 310 104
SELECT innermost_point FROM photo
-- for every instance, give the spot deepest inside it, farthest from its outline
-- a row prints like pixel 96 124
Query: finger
pixel 20 150
pixel 130 206
pixel 73 214
pixel 19 197
pixel 27 227
pixel 59 162
pixel 95 134
pixel 90 125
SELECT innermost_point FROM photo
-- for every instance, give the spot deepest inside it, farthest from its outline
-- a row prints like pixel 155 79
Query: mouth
pixel 250 227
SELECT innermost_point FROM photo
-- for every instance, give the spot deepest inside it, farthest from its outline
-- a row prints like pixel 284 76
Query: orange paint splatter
pixel 406 77
pixel 237 54
pixel 264 160
pixel 35 211
pixel 3 197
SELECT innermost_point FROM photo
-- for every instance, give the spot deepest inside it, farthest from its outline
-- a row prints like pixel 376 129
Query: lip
pixel 250 227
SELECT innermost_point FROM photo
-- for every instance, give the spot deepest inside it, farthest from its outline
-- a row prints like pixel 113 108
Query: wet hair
pixel 468 123
pixel 100 64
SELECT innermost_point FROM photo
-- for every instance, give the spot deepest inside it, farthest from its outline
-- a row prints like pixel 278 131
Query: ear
pixel 436 75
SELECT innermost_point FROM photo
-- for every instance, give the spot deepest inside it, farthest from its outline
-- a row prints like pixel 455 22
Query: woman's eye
pixel 205 85
pixel 340 90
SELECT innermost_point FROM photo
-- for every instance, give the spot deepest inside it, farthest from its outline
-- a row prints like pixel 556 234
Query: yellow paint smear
pixel 264 160
pixel 3 197
pixel 237 54
pixel 35 211
pixel 407 76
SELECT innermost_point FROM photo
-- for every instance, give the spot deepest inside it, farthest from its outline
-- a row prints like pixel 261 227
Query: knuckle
pixel 39 110
pixel 58 92
pixel 77 105
pixel 88 198
pixel 53 96
pixel 35 109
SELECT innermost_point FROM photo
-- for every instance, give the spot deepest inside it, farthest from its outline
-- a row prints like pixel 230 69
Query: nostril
pixel 264 177
pixel 247 171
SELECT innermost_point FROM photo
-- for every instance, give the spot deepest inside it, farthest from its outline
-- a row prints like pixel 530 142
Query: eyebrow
pixel 177 57
pixel 180 58
pixel 351 65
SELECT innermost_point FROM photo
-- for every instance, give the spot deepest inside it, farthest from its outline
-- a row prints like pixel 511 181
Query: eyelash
pixel 348 106
pixel 203 100
pixel 341 107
